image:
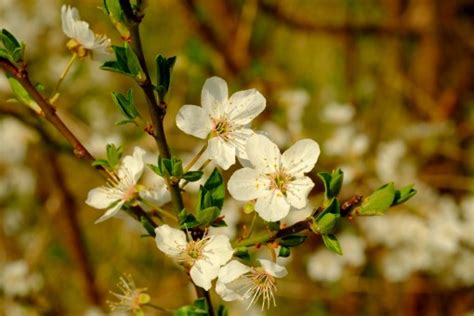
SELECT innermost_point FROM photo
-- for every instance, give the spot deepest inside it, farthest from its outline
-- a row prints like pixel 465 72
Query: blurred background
pixel 384 86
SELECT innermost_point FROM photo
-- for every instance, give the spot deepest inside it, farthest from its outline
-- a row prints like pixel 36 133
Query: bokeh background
pixel 384 86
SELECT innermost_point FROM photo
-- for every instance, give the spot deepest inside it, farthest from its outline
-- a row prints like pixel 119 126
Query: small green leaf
pixel 126 104
pixel 326 221
pixel 101 163
pixel 133 64
pixel 208 215
pixel 242 252
pixel 332 182
pixel 155 169
pixel 284 252
pixel 292 240
pixel 164 67
pixel 14 49
pixel 331 242
pixel 187 220
pixel 22 95
pixel 114 154
pixel 147 225
pixel 403 195
pixel 193 176
pixel 222 311
pixel 378 202
pixel 215 185
pixel 126 63
pixel 176 167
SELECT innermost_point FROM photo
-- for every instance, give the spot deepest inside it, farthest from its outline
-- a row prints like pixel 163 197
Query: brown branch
pixel 50 115
pixel 305 25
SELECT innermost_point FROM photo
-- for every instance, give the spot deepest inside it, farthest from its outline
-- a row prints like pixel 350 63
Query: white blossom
pixel 277 181
pixel 338 113
pixel 123 188
pixel 16 279
pixel 223 120
pixel 240 282
pixel 325 266
pixel 83 40
pixel 202 257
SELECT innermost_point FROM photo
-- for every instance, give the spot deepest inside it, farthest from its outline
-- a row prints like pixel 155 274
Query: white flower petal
pixel 297 192
pixel 170 240
pixel 246 184
pixel 273 269
pixel 157 196
pixel 221 152
pixel 102 197
pixel 110 212
pixel 238 138
pixel 218 250
pixel 245 105
pixel 203 272
pixel 193 120
pixel 214 96
pixel 263 153
pixel 233 270
pixel 132 166
pixel 301 157
pixel 272 206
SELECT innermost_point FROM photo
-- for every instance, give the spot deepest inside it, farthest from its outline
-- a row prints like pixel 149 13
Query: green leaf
pixel 331 243
pixel 22 95
pixel 126 63
pixel 176 167
pixel 126 104
pixel 284 252
pixel 215 185
pixel 242 252
pixel 201 303
pixel 164 67
pixel 133 64
pixel 378 202
pixel 222 311
pixel 187 220
pixel 114 154
pixel 332 182
pixel 198 308
pixel 14 50
pixel 208 215
pixel 292 240
pixel 101 163
pixel 403 195
pixel 193 176
pixel 326 221
pixel 155 169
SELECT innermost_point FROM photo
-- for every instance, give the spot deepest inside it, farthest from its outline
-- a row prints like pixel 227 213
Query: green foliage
pixel 403 195
pixel 126 105
pixel 168 167
pixel 222 311
pixel 114 154
pixel 242 252
pixel 13 50
pixel 284 252
pixel 114 10
pixel 331 243
pixel 147 225
pixel 210 199
pixel 378 202
pixel 325 222
pixel 187 220
pixel 126 63
pixel 22 95
pixel 207 215
pixel 198 308
pixel 193 176
pixel 332 182
pixel 292 240
pixel 164 67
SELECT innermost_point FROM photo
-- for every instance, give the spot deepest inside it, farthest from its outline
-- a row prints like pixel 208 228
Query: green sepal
pixel 403 195
pixel 193 176
pixel 332 182
pixel 378 202
pixel 284 252
pixel 292 240
pixel 113 9
pixel 212 193
pixel 331 243
pixel 325 222
pixel 164 67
